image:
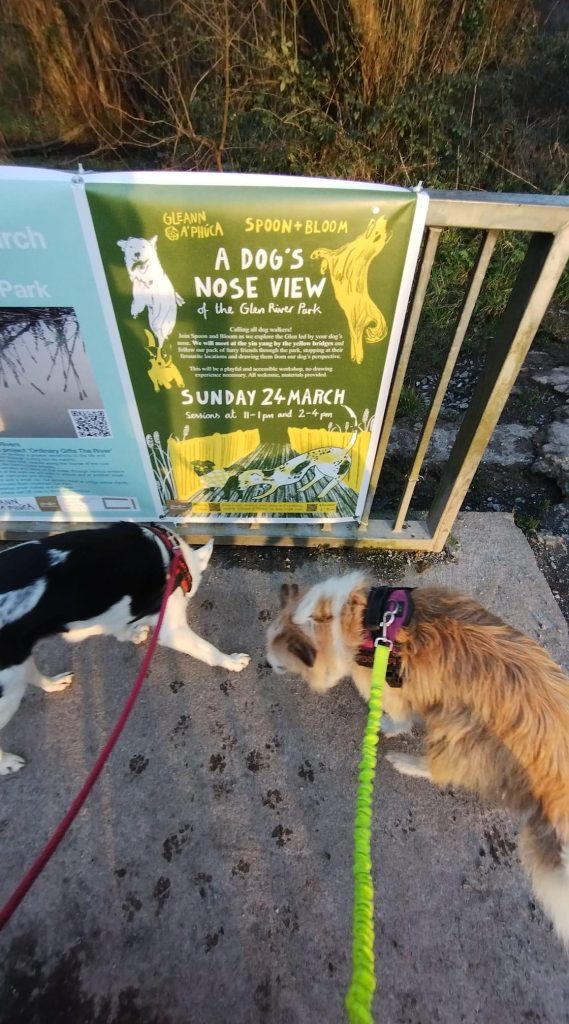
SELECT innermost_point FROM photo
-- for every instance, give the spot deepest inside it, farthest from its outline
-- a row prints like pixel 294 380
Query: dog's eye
pixel 303 650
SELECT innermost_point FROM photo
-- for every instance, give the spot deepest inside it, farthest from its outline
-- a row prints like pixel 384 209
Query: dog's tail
pixel 356 430
pixel 545 856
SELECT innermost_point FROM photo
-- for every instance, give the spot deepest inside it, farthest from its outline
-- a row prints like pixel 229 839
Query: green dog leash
pixel 360 994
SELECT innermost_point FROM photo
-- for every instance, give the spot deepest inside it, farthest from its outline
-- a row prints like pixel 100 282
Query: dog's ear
pixel 230 485
pixel 204 555
pixel 289 591
pixel 152 241
pixel 122 245
pixel 321 255
pixel 303 650
pixel 357 599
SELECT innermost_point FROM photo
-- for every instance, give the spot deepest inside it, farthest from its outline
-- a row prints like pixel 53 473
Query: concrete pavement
pixel 208 878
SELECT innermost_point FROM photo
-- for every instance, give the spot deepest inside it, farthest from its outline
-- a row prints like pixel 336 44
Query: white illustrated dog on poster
pixel 152 289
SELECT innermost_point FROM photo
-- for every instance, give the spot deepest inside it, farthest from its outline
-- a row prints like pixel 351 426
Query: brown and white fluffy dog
pixel 495 707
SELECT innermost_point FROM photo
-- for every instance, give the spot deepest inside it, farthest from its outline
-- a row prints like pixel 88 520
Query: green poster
pixel 259 319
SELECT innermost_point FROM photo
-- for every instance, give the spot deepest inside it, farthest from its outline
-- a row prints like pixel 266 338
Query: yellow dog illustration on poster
pixel 348 269
pixel 162 370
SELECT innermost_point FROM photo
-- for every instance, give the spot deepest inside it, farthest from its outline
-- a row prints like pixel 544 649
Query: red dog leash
pixel 51 846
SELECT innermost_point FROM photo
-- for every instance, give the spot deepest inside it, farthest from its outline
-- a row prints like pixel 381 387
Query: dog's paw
pixel 57 683
pixel 10 764
pixel 237 662
pixel 407 764
pixel 389 727
pixel 140 634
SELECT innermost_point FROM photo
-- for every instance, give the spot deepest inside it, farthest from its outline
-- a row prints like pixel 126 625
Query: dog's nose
pixel 276 667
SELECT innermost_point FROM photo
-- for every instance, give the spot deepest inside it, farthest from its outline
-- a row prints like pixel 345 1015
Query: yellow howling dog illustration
pixel 348 268
pixel 162 371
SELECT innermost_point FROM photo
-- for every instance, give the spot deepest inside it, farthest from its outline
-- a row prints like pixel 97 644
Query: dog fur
pixel 495 707
pixel 109 581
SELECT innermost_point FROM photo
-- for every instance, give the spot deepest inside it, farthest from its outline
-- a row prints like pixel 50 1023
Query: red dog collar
pixel 170 542
pixel 387 610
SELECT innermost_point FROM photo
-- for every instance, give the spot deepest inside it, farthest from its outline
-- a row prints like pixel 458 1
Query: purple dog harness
pixel 387 610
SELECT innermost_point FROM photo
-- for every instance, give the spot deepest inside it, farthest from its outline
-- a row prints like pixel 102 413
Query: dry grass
pixel 130 74
pixel 74 49
pixel 169 75
pixel 403 39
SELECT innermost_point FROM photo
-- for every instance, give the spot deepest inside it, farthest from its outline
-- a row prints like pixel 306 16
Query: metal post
pixel 407 344
pixel 471 296
pixel 542 267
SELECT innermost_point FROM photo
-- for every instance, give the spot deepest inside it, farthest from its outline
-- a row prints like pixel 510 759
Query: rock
pixel 555 520
pixel 551 541
pixel 552 444
pixel 510 444
pixel 557 378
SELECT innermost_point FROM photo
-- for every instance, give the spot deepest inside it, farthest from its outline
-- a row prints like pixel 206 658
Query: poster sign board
pixel 236 335
pixel 69 450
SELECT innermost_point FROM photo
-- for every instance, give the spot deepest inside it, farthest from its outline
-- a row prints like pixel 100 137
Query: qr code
pixel 90 422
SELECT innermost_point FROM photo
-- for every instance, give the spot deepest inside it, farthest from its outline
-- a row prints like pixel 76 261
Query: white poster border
pixel 406 284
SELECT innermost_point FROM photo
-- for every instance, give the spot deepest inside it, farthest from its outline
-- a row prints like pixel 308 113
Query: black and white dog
pixel 107 581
